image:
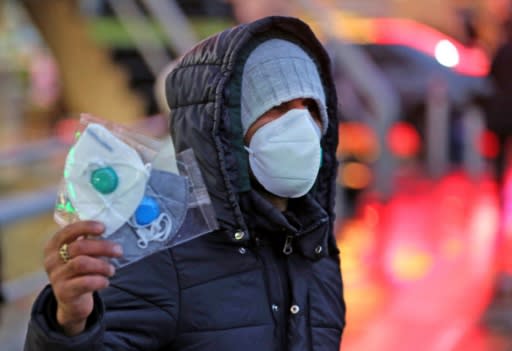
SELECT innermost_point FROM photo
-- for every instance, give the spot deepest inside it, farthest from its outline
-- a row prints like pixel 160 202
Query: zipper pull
pixel 288 249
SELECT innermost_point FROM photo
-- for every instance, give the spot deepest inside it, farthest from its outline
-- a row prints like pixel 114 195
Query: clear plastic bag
pixel 148 197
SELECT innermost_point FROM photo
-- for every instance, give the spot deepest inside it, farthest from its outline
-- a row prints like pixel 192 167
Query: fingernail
pixel 112 270
pixel 118 250
pixel 99 227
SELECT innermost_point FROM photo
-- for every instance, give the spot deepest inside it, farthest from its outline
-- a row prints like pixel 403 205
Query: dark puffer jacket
pixel 234 289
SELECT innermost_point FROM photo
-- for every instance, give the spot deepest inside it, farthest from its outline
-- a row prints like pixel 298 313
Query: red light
pixel 429 273
pixel 488 144
pixel 392 31
pixel 404 140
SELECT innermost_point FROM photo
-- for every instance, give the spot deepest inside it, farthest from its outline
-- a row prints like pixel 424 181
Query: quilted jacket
pixel 265 280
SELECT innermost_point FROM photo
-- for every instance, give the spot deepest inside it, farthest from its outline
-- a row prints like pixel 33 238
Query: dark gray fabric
pixel 222 291
pixel 171 191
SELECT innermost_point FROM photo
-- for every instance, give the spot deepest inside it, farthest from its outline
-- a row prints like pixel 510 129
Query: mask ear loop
pixel 158 230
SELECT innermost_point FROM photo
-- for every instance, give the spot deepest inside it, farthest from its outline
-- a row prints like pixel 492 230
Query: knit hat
pixel 278 71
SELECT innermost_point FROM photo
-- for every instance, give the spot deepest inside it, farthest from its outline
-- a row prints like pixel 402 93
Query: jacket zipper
pixel 288 248
pixel 275 273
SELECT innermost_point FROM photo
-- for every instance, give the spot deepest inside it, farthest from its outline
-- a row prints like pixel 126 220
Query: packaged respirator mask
pixel 148 198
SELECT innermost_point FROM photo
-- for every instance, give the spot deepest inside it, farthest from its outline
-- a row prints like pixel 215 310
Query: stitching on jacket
pixel 143 299
pixel 149 301
pixel 229 328
pixel 193 104
pixel 198 64
pixel 227 275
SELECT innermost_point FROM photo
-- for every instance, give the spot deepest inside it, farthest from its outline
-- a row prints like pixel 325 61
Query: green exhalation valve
pixel 104 180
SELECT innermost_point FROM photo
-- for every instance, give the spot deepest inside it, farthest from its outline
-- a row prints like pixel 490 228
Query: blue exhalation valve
pixel 148 211
pixel 104 180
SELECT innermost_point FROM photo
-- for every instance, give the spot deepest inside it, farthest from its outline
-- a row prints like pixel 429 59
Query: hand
pixel 85 271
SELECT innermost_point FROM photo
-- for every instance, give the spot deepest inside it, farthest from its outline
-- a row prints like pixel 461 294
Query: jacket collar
pixel 304 225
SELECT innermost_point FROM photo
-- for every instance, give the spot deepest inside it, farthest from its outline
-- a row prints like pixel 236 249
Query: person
pixel 257 105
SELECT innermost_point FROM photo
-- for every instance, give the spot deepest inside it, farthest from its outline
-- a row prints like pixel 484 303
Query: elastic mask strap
pixel 158 230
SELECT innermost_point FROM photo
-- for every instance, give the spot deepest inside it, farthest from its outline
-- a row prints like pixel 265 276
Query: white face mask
pixel 105 178
pixel 285 154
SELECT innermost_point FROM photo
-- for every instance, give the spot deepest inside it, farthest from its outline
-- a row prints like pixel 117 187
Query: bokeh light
pixel 403 139
pixel 446 53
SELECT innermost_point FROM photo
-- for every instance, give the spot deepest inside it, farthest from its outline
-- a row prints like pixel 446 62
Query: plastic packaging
pixel 148 197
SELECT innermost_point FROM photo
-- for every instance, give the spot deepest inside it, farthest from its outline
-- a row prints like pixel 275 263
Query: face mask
pixel 159 218
pixel 105 178
pixel 162 210
pixel 284 154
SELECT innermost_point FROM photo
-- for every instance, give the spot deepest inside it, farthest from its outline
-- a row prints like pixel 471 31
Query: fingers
pixel 96 248
pixel 84 265
pixel 77 267
pixel 68 234
pixel 74 279
pixel 75 230
pixel 85 247
pixel 70 291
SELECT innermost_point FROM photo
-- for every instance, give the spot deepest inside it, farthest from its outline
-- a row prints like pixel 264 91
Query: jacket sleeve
pixel 136 312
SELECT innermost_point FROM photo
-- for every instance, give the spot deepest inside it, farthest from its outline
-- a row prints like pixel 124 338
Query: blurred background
pixel 424 189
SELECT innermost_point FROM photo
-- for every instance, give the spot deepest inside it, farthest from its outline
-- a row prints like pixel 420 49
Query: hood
pixel 204 100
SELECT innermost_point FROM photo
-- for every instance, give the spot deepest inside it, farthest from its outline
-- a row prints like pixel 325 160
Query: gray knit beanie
pixel 278 71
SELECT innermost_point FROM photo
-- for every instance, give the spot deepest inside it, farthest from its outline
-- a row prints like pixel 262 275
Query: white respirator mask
pixel 105 178
pixel 285 154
